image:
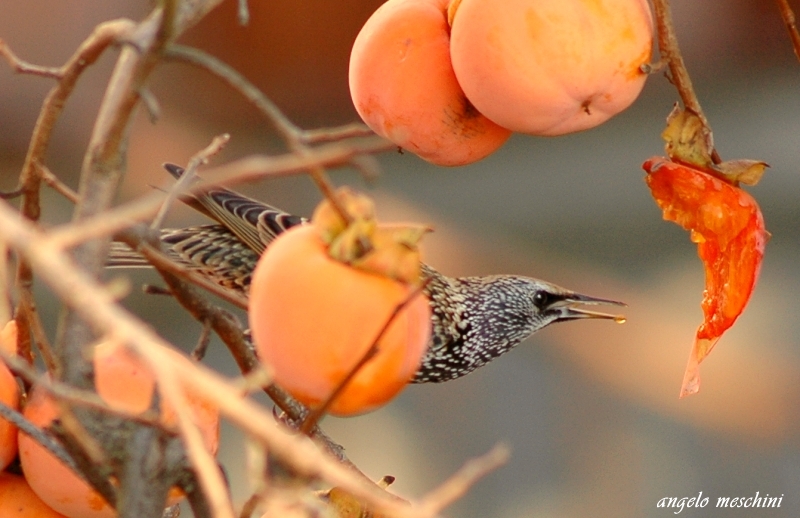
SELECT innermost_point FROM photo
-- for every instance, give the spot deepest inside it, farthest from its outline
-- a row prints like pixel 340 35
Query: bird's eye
pixel 541 299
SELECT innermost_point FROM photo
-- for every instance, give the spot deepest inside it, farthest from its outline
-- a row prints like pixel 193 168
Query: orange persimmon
pixel 125 383
pixel 9 395
pixel 17 500
pixel 404 88
pixel 550 67
pixel 313 318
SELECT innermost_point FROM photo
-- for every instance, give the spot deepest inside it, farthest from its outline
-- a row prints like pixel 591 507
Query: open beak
pixel 568 308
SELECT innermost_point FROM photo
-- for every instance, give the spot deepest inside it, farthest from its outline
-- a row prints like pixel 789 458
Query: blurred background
pixel 589 409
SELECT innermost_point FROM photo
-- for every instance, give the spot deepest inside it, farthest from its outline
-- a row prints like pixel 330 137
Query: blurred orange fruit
pixel 125 383
pixel 9 395
pixel 17 500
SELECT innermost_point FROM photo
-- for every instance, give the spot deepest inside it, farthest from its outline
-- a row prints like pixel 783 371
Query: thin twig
pixel 27 310
pixel 90 50
pixel 256 379
pixel 243 13
pixel 241 171
pixel 255 167
pixel 457 485
pixel 670 52
pixel 150 103
pixel 151 289
pixel 23 67
pixel 285 127
pixel 206 468
pixel 5 293
pixel 315 136
pixel 52 181
pixel 291 133
pixel 105 224
pixel 163 263
pixel 316 414
pixel 10 195
pixel 250 505
pixel 188 176
pixel 66 393
pixel 199 350
pixel 791 24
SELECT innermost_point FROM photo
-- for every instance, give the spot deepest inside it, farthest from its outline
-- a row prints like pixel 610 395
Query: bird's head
pixel 519 306
pixel 555 304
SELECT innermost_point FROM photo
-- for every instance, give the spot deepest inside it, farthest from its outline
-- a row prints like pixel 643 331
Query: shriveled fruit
pixel 17 500
pixel 550 67
pixel 403 86
pixel 9 396
pixel 313 318
pixel 727 225
pixel 126 384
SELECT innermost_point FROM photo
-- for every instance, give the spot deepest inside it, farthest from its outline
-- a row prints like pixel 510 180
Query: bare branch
pixel 292 134
pixel 356 129
pixel 791 24
pixel 456 486
pixel 243 13
pixel 23 67
pixel 163 263
pixel 27 311
pixel 244 170
pixel 188 176
pixel 285 127
pixel 69 394
pixel 105 224
pixel 52 181
pixel 206 467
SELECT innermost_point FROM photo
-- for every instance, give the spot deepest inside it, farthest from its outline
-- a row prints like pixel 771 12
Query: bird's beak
pixel 569 308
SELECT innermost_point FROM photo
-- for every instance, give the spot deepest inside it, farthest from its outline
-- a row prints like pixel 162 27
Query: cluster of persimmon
pixel 450 80
pixel 48 488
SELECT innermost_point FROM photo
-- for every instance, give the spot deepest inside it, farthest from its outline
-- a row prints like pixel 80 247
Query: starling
pixel 473 319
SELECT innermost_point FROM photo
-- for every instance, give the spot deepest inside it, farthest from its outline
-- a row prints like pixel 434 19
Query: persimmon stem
pixel 671 53
pixel 791 24
pixel 317 413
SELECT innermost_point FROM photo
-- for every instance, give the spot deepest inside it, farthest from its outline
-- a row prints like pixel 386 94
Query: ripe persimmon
pixel 728 227
pixel 9 395
pixel 404 88
pixel 17 500
pixel 550 67
pixel 313 318
pixel 126 384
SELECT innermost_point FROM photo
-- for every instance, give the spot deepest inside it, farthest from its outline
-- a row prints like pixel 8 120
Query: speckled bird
pixel 473 319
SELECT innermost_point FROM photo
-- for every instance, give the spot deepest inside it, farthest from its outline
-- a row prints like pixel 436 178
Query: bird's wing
pixel 213 250
pixel 255 223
